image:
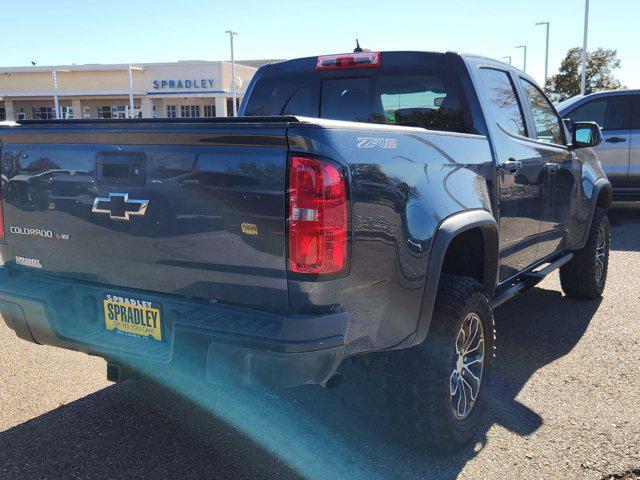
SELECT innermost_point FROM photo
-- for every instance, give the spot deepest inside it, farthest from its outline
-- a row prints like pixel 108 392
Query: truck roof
pixel 298 62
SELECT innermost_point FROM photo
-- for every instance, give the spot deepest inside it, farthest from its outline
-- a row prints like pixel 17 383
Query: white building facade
pixel 185 89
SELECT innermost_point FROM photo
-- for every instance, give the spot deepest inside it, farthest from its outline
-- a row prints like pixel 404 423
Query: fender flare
pixel 449 229
pixel 601 184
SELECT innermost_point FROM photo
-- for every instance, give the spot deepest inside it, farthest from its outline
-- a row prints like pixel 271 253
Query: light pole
pixel 233 74
pixel 54 87
pixel 583 75
pixel 546 53
pixel 131 105
pixel 508 57
pixel 524 67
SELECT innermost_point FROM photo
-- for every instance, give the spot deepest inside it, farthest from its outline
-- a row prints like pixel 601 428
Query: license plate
pixel 132 317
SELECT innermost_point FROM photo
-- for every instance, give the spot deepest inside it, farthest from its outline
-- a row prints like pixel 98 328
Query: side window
pixel 606 112
pixel 590 112
pixel 503 102
pixel 283 96
pixel 635 121
pixel 547 123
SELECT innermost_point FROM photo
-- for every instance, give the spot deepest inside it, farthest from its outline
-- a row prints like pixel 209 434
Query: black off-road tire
pixel 580 278
pixel 417 380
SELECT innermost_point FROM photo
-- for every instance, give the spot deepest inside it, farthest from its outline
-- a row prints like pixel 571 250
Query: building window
pixel 43 113
pixel 171 111
pixel 137 111
pixel 190 111
pixel 114 111
pixel 209 111
pixel 21 114
pixel 67 112
pixel 104 112
pixel 3 114
pixel 119 111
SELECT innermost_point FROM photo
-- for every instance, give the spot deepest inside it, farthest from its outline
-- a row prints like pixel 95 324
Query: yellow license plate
pixel 132 317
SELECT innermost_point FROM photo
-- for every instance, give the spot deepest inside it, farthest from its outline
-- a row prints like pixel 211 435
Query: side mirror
pixel 586 134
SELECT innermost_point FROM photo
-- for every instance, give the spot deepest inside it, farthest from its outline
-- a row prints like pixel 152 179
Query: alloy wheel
pixel 467 366
pixel 601 253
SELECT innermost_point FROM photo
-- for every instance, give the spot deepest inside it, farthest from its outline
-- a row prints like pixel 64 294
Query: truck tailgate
pixel 191 209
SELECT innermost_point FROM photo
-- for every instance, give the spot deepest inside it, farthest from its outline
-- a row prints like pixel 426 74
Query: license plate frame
pixel 133 317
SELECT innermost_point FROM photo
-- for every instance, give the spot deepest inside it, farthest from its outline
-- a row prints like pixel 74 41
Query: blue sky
pixel 55 32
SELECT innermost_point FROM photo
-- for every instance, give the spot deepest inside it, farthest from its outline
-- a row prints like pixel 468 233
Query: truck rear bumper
pixel 219 343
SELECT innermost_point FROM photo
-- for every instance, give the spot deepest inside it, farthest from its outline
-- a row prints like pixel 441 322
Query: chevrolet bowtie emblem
pixel 119 206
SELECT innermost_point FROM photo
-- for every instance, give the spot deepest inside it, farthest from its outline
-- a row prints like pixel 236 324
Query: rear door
pixel 190 209
pixel 611 113
pixel 520 171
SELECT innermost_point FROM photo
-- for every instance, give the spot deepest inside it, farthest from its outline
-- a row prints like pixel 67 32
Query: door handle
pixel 511 166
pixel 552 167
pixel 615 140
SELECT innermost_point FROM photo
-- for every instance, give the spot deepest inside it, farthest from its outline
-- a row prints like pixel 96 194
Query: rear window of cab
pixel 431 100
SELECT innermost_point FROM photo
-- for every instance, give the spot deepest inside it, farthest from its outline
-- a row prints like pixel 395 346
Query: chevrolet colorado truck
pixel 367 204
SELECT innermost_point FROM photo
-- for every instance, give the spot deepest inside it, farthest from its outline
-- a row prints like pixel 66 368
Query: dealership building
pixel 184 89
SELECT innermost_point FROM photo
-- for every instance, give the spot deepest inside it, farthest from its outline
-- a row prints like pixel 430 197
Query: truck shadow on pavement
pixel 306 432
pixel 532 332
pixel 113 434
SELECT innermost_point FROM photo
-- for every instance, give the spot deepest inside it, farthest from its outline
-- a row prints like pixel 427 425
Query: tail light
pixel 317 217
pixel 348 60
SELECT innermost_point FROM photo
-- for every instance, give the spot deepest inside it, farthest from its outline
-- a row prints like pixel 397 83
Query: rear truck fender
pixel 469 227
pixel 601 196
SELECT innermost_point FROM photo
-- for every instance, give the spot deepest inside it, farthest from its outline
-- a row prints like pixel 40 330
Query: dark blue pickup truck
pixel 377 204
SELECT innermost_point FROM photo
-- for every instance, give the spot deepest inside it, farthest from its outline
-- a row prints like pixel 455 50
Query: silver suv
pixel 618 113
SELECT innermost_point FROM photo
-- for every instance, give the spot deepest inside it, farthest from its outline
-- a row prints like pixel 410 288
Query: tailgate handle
pixel 121 168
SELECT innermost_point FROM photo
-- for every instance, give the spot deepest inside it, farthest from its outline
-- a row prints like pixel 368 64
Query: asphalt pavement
pixel 565 404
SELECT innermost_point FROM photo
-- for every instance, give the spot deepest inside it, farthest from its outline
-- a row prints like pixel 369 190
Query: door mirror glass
pixel 586 134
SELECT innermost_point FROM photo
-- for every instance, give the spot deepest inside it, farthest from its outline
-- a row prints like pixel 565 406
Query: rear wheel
pixel 436 391
pixel 585 275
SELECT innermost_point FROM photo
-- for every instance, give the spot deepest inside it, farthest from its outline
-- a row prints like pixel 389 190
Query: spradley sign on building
pixel 201 84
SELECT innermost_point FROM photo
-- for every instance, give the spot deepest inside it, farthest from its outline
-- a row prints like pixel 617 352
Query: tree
pixel 42 164
pixel 600 65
